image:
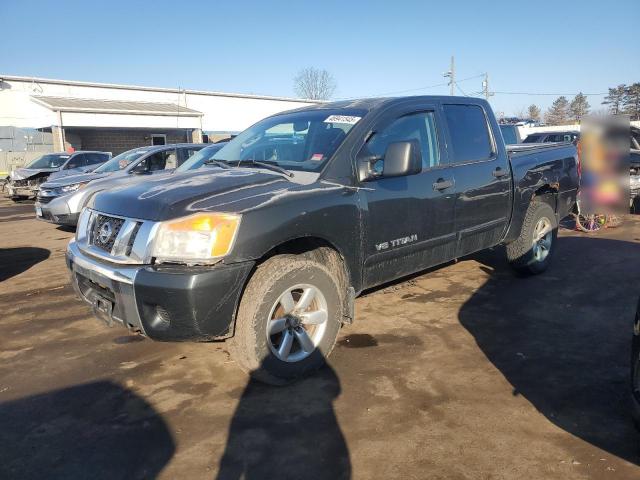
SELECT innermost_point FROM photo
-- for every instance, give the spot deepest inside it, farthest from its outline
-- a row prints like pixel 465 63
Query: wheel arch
pixel 317 248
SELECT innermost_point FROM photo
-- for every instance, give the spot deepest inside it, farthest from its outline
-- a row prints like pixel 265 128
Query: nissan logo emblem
pixel 104 234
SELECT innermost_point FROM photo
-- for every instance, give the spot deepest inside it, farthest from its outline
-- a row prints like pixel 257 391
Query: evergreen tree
pixel 558 112
pixel 534 113
pixel 579 107
pixel 615 99
pixel 631 101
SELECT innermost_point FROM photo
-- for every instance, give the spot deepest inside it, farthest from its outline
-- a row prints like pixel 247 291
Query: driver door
pixel 410 220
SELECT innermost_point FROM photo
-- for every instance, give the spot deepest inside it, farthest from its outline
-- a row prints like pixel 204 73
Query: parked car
pixel 552 137
pixel 61 200
pixel 306 209
pixel 511 134
pixel 25 182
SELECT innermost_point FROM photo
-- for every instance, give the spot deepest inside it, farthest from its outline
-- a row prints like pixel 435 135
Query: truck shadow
pixel 96 430
pixel 14 261
pixel 562 339
pixel 287 432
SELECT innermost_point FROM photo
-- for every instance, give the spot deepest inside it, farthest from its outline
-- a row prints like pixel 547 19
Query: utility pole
pixel 451 75
pixel 485 87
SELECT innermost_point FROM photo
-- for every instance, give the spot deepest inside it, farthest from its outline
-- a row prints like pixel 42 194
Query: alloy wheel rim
pixel 297 323
pixel 542 238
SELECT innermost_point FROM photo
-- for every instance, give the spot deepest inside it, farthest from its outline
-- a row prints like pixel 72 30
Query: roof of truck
pixel 376 102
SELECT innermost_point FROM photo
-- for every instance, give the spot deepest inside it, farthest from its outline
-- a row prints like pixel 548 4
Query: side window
pixel 416 126
pixel 93 158
pixel 186 153
pixel 77 161
pixel 470 139
pixel 161 161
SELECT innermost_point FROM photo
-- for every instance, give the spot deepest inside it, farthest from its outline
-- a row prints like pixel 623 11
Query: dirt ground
pixel 465 371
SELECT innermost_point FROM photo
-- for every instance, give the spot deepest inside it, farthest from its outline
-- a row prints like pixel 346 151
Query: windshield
pixel 294 141
pixel 509 134
pixel 49 161
pixel 121 161
pixel 197 159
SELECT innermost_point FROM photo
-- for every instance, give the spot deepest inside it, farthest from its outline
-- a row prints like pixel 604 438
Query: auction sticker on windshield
pixel 348 119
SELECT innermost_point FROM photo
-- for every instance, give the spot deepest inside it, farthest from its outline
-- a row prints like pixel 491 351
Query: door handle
pixel 499 172
pixel 442 184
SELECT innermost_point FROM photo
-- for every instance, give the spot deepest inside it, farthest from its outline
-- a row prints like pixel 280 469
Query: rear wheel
pixel 288 319
pixel 531 252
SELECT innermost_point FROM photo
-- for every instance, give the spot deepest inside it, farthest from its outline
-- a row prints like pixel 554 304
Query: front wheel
pixel 288 320
pixel 531 252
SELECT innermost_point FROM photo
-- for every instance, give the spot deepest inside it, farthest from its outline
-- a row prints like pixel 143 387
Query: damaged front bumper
pixel 21 190
pixel 166 303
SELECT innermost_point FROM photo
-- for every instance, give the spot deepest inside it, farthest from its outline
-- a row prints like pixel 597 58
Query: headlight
pixel 200 238
pixel 72 188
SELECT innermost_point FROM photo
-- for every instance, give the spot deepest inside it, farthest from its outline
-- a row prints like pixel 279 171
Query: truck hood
pixel 26 173
pixel 73 179
pixel 170 196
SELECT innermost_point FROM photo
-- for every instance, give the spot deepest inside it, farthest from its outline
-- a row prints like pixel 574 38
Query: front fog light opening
pixel 161 320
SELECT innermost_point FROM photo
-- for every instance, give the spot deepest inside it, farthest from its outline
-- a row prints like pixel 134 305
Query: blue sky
pixel 371 48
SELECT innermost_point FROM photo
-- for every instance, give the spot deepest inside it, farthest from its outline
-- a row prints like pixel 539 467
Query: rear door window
pixel 469 132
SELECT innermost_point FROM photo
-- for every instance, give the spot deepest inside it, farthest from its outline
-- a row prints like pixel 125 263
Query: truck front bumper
pixel 166 303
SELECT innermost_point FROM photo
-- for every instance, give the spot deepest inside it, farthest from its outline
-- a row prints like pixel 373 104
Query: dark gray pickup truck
pixel 270 245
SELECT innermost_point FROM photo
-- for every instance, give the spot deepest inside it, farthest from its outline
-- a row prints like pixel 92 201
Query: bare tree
pixel 520 113
pixel 314 84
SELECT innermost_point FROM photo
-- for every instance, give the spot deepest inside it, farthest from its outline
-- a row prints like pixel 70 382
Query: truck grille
pixel 105 231
pixel 115 239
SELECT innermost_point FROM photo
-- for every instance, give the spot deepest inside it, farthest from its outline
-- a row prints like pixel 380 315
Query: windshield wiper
pixel 268 166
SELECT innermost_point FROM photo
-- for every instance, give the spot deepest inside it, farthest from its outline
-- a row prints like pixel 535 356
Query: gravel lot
pixel 465 371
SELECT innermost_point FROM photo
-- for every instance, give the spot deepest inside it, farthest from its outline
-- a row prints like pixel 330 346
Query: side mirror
pixel 400 159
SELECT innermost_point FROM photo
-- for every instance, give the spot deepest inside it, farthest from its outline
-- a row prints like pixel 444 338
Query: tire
pixel 531 257
pixel 265 299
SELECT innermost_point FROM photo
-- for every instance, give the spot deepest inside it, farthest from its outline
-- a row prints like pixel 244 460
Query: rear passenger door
pixel 483 178
pixel 409 220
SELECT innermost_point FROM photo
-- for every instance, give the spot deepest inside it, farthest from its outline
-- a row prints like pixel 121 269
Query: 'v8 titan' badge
pixel 396 243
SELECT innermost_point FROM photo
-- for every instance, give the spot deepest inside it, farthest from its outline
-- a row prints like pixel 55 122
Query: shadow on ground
pixel 14 261
pixel 97 430
pixel 562 339
pixel 287 432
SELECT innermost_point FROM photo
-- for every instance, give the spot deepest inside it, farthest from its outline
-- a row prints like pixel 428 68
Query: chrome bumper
pixel 107 288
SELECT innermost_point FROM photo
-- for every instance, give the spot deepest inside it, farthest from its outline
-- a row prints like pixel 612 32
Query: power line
pixel 427 87
pixel 550 94
pixel 461 91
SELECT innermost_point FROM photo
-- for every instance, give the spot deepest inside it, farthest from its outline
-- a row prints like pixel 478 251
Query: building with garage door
pixel 115 118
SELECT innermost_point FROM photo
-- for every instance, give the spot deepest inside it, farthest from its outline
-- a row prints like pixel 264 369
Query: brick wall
pixel 119 140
